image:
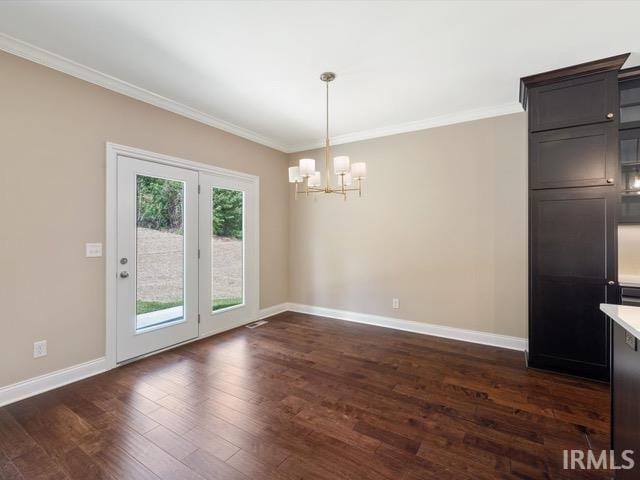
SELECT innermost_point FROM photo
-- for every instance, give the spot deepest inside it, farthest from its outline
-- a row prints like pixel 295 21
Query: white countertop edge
pixel 626 316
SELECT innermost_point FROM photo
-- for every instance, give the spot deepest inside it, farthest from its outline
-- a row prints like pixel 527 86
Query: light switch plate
pixel 93 249
pixel 395 303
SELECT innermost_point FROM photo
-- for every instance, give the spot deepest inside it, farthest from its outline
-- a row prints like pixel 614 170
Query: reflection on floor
pixel 313 398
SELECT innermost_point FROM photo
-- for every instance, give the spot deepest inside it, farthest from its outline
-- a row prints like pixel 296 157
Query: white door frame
pixel 111 259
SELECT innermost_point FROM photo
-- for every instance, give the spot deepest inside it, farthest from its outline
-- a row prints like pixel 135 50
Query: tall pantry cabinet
pixel 573 203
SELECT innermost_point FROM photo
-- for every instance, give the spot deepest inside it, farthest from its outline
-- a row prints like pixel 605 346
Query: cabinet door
pixel 572 259
pixel 582 101
pixel 625 408
pixel 630 176
pixel 573 157
pixel 630 103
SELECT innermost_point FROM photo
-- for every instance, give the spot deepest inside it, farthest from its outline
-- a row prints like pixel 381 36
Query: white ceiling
pixel 252 67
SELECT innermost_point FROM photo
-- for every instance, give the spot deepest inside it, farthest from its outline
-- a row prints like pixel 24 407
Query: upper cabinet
pixel 578 95
pixel 630 103
pixel 582 101
pixel 629 176
pixel 573 157
pixel 629 185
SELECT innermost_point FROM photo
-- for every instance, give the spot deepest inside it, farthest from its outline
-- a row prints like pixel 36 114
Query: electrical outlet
pixel 39 349
pixel 396 303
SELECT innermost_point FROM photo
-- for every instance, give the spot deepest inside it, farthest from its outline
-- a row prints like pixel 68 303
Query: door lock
pixel 124 274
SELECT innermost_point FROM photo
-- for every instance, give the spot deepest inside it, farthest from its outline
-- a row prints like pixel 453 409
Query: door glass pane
pixel 159 251
pixel 629 150
pixel 227 248
pixel 629 95
pixel 630 114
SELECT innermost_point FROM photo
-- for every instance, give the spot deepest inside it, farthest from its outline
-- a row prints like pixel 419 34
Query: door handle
pixel 611 282
pixel 124 274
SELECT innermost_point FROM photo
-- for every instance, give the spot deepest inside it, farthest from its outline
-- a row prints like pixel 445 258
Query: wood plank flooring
pixel 306 397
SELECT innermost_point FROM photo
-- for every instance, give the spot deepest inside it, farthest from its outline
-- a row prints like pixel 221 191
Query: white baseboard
pixel 473 336
pixel 273 310
pixel 49 381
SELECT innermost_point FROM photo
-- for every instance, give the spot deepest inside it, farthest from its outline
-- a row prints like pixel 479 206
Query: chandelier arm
pixel 315 190
pixel 340 192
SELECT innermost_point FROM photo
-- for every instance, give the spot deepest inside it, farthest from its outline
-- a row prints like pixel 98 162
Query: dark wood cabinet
pixel 629 176
pixel 630 99
pixel 625 391
pixel 574 157
pixel 630 296
pixel 571 265
pixel 581 101
pixel 573 208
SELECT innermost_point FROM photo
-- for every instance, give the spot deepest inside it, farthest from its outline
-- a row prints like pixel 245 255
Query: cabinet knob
pixel 611 282
pixel 610 180
pixel 610 116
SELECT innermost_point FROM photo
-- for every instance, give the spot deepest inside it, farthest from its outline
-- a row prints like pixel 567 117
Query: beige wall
pixel 629 253
pixel 53 130
pixel 442 227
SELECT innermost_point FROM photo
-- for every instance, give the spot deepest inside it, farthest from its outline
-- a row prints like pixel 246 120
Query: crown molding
pixel 49 59
pixel 432 122
pixel 57 62
pixel 568 73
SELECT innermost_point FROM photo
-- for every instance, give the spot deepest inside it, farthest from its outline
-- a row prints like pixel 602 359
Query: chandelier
pixel 311 179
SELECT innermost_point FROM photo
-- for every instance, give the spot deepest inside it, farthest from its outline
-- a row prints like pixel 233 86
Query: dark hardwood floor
pixel 309 398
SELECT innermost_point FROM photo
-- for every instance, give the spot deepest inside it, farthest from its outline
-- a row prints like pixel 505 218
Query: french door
pixel 157 257
pixel 187 254
pixel 228 252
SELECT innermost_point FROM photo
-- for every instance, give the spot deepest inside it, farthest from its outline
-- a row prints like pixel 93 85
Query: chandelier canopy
pixel 347 173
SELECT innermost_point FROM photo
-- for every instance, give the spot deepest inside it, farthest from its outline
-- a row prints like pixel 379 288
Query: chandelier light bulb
pixel 314 180
pixel 307 167
pixel 294 175
pixel 341 164
pixel 359 170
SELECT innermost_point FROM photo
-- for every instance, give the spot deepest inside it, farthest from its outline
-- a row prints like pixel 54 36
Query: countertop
pixel 624 315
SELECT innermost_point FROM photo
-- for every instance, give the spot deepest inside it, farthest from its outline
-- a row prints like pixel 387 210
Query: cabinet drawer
pixel 575 102
pixel 573 157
